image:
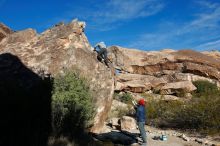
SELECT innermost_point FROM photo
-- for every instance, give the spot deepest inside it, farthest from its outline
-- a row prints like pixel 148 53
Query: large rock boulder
pixel 140 71
pixel 64 47
pixel 182 86
pixel 25 104
pixel 192 77
pixel 135 86
pixel 156 62
pixel 139 83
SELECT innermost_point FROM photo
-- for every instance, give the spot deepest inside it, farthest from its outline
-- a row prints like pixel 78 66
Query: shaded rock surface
pixel 25 104
pixel 116 137
pixel 63 47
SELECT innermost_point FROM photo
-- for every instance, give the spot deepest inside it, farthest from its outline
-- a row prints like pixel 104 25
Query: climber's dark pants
pixel 102 54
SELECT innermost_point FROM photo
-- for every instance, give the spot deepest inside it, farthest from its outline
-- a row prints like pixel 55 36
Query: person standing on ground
pixel 141 119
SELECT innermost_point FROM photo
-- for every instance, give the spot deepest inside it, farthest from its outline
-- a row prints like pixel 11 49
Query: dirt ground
pixel 171 141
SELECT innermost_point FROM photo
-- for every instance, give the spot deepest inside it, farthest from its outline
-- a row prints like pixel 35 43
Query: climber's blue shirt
pixel 141 114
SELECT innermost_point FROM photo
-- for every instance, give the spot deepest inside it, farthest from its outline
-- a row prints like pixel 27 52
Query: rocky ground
pixel 124 131
pixel 172 141
pixel 175 138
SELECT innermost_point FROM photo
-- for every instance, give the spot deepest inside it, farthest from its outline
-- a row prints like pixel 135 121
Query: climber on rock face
pixel 101 49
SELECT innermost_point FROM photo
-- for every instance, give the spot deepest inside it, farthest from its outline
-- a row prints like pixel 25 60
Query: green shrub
pixel 72 107
pixel 161 110
pixel 201 112
pixel 205 88
pixel 126 97
pixel 121 111
pixel 181 93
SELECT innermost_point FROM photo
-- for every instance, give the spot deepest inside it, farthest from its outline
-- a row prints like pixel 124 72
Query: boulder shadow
pixel 118 137
pixel 25 106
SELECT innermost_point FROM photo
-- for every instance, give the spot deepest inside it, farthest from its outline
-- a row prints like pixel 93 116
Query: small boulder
pixel 114 123
pixel 184 137
pixel 199 140
pixel 128 123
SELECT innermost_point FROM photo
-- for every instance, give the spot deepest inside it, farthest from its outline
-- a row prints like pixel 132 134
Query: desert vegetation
pixel 200 113
pixel 72 108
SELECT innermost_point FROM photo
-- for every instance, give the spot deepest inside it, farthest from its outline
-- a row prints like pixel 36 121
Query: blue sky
pixel 140 24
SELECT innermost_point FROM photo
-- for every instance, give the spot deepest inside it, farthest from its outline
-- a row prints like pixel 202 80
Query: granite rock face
pixel 64 47
pixel 141 71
